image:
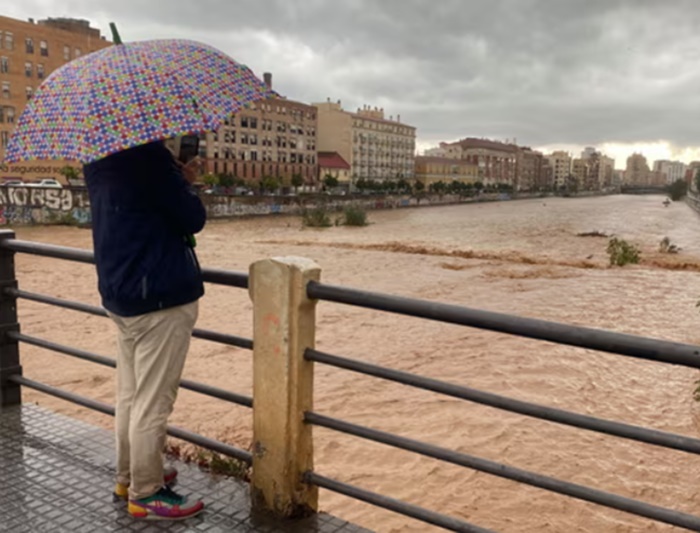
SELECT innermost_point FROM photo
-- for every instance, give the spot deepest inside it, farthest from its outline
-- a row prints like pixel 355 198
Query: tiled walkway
pixel 56 475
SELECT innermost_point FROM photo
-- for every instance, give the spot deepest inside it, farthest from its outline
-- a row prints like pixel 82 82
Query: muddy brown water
pixel 521 257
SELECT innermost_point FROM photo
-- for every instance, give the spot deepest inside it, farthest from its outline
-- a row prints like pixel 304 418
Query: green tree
pixel 678 190
pixel 70 173
pixel 330 181
pixel 226 180
pixel 297 181
pixel 438 187
pixel 269 183
pixel 419 186
pixel 210 179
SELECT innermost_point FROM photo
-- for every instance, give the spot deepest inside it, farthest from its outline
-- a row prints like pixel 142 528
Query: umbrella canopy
pixel 131 94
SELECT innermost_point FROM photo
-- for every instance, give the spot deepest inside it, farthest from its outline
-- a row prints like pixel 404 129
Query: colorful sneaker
pixel 121 491
pixel 165 504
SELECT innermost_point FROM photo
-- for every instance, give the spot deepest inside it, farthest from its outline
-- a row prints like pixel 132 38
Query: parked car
pixel 49 183
pixel 13 183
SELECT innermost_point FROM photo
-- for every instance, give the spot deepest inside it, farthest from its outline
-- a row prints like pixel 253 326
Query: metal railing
pixel 299 359
pixel 12 335
pixel 594 339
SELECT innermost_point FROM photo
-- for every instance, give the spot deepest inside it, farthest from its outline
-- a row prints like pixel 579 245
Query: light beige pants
pixel 152 351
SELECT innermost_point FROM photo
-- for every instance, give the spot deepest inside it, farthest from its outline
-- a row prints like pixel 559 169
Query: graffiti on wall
pixel 30 205
pixel 61 199
pixel 33 205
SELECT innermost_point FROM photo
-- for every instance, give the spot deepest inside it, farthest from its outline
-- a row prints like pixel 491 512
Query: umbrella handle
pixel 115 33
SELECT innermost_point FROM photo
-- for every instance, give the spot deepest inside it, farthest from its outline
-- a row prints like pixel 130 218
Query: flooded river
pixel 519 257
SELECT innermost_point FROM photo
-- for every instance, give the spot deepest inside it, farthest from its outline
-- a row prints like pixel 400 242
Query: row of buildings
pixel 663 172
pixel 277 137
pixel 499 163
pixel 282 138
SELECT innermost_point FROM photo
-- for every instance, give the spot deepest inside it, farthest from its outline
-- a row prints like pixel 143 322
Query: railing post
pixel 9 351
pixel 284 326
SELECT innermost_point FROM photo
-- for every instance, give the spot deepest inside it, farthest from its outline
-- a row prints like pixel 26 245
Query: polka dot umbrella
pixel 131 94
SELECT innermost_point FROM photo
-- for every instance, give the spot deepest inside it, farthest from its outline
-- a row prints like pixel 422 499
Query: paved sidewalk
pixel 56 475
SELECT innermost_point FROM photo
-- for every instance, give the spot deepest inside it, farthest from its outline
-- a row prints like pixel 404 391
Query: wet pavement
pixel 57 474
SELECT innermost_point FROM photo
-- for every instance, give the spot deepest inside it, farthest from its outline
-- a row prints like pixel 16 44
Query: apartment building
pixel 561 164
pixel 674 170
pixel 497 162
pixel 29 52
pixel 637 172
pixel 376 148
pixel 599 170
pixel 432 169
pixel 530 170
pixel 275 137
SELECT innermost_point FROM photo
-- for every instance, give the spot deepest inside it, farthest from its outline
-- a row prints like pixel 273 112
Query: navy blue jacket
pixel 143 209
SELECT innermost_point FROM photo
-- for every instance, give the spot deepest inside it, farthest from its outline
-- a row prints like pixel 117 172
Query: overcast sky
pixel 616 74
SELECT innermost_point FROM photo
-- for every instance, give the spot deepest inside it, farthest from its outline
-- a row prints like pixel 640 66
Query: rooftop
pixel 332 160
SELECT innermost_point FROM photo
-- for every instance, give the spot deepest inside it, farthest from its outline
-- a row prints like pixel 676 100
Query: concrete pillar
pixel 284 326
pixel 10 393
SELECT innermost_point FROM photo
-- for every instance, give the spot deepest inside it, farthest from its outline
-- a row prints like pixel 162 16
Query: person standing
pixel 144 213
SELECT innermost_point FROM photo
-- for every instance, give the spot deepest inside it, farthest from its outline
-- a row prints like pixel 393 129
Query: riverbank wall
pixel 693 201
pixel 21 206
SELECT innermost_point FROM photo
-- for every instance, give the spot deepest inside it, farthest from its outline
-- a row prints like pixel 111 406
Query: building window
pixel 40 71
pixel 44 46
pixel 28 69
pixel 253 155
pixel 10 111
pixel 244 122
pixel 9 41
pixel 29 44
pixel 66 53
pixel 29 92
pixel 4 65
pixel 6 89
pixel 78 52
pixel 254 123
pixel 4 138
pixel 2 114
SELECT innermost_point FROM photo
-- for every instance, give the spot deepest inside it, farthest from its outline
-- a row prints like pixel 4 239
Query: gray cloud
pixel 542 71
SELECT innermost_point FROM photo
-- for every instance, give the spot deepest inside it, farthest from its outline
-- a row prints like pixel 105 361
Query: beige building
pixel 432 169
pixel 561 164
pixel 275 137
pixel 531 173
pixel 582 173
pixel 332 164
pixel 674 170
pixel 600 170
pixel 497 162
pixel 376 148
pixel 29 52
pixel 637 172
